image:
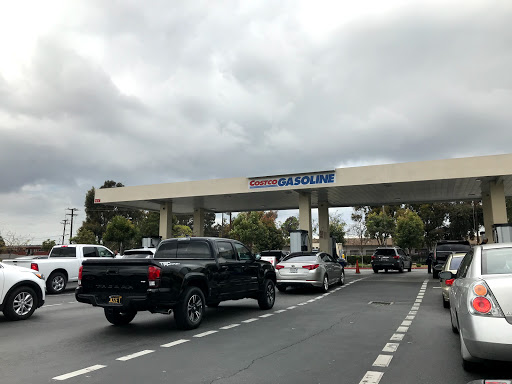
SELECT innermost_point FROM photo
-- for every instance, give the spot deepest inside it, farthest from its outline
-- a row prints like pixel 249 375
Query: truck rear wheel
pixel 56 283
pixel 267 296
pixel 119 317
pixel 189 312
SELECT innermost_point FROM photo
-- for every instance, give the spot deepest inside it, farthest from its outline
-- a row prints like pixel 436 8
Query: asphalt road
pixel 306 338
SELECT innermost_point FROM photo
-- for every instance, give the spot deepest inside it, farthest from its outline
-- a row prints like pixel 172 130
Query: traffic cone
pixel 357 267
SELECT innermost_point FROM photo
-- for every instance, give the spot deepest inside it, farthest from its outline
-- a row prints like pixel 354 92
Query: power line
pixel 72 214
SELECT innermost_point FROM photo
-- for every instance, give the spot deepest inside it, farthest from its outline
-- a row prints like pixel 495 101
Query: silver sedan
pixel 481 304
pixel 317 269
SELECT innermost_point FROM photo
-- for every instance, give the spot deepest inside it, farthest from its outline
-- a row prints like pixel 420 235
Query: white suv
pixel 21 291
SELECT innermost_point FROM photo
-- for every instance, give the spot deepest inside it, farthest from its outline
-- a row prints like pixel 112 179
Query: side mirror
pixel 257 257
pixel 446 275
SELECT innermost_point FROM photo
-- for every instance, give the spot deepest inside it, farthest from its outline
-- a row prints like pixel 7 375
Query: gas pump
pixel 299 240
pixel 502 233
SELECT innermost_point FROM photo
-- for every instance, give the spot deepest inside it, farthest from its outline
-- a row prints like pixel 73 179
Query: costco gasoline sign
pixel 294 181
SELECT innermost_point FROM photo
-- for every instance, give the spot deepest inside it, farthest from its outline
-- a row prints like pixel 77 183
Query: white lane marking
pixel 79 372
pixel 172 344
pixel 409 317
pixel 310 301
pixel 402 329
pixel 302 304
pixel 382 361
pixel 51 305
pixel 250 320
pixel 406 323
pixel 372 377
pixel 413 313
pixel 415 307
pixel 436 287
pixel 205 333
pixel 267 315
pixel 318 297
pixel 280 311
pixel 390 347
pixel 134 355
pixel 72 302
pixel 230 326
pixel 418 300
pixel 292 307
pixel 397 337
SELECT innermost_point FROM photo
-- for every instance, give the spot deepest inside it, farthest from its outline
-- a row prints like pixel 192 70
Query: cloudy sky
pixel 161 91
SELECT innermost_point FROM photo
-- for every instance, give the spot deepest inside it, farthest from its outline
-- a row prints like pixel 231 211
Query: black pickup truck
pixel 184 275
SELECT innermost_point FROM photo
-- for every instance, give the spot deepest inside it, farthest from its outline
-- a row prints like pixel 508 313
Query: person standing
pixel 429 262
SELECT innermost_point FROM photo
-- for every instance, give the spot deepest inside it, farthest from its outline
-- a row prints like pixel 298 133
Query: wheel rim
pixel 326 283
pixel 270 293
pixel 58 283
pixel 194 308
pixel 342 278
pixel 23 303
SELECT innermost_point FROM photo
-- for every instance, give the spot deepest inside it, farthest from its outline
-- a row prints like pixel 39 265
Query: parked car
pixel 445 248
pixel 386 258
pixel 451 265
pixel 273 256
pixel 63 263
pixel 21 291
pixel 481 304
pixel 309 269
pixel 185 275
pixel 139 253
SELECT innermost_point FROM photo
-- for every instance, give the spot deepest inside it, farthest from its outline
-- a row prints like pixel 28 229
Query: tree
pixel 358 228
pixel 120 230
pixel 2 245
pixel 433 216
pixel 410 230
pixel 84 236
pixel 380 226
pixel 461 221
pixel 257 230
pixel 181 230
pixel 337 228
pixel 48 245
pixel 13 241
pixel 290 224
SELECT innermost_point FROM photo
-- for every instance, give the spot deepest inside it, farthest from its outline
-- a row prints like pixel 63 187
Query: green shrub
pixel 419 265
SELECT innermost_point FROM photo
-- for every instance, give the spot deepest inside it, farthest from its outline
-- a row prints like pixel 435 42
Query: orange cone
pixel 357 267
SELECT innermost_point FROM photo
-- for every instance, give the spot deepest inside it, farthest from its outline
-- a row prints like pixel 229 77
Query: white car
pixel 21 291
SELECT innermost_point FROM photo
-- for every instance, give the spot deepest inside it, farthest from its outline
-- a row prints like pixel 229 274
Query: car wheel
pixel 375 270
pixel 342 278
pixel 267 297
pixel 213 304
pixel 410 267
pixel 281 288
pixel 435 274
pixel 386 270
pixel 325 284
pixel 446 303
pixel 56 283
pixel 190 310
pixel 119 317
pixel 21 304
pixel 401 268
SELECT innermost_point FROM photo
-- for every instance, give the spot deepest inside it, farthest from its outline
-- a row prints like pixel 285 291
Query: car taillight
pixel 396 257
pixel 449 281
pixel 310 267
pixel 80 270
pixel 481 301
pixel 34 266
pixel 278 267
pixel 154 276
pixel 373 257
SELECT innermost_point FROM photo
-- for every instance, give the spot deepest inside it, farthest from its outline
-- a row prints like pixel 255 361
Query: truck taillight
pixel 80 275
pixel 34 266
pixel 396 257
pixel 154 276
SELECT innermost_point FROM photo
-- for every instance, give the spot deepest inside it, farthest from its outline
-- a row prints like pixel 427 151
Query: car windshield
pixel 454 264
pixel 300 258
pixel 385 252
pixel 271 253
pixel 456 247
pixel 497 261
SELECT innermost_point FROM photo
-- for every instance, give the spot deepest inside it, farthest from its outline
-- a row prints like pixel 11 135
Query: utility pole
pixel 72 214
pixel 65 221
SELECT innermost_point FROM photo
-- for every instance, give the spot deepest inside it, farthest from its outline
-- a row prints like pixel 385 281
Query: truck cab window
pixel 194 250
pixel 226 250
pixel 243 253
pixel 90 252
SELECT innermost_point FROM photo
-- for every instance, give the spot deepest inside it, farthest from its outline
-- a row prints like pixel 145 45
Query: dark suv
pixel 391 258
pixel 445 248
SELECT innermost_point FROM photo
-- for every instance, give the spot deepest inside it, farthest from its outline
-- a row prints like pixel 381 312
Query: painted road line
pixel 72 302
pixel 318 297
pixel 79 372
pixel 280 311
pixel 51 305
pixel 382 361
pixel 205 333
pixel 436 287
pixel 310 301
pixel 250 320
pixel 292 307
pixel 410 317
pixel 230 326
pixel 406 323
pixel 134 355
pixel 390 347
pixel 414 313
pixel 302 304
pixel 371 377
pixel 418 300
pixel 415 307
pixel 267 315
pixel 402 329
pixel 397 337
pixel 172 344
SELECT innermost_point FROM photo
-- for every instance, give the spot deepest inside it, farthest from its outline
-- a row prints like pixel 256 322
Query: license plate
pixel 385 258
pixel 293 270
pixel 114 299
